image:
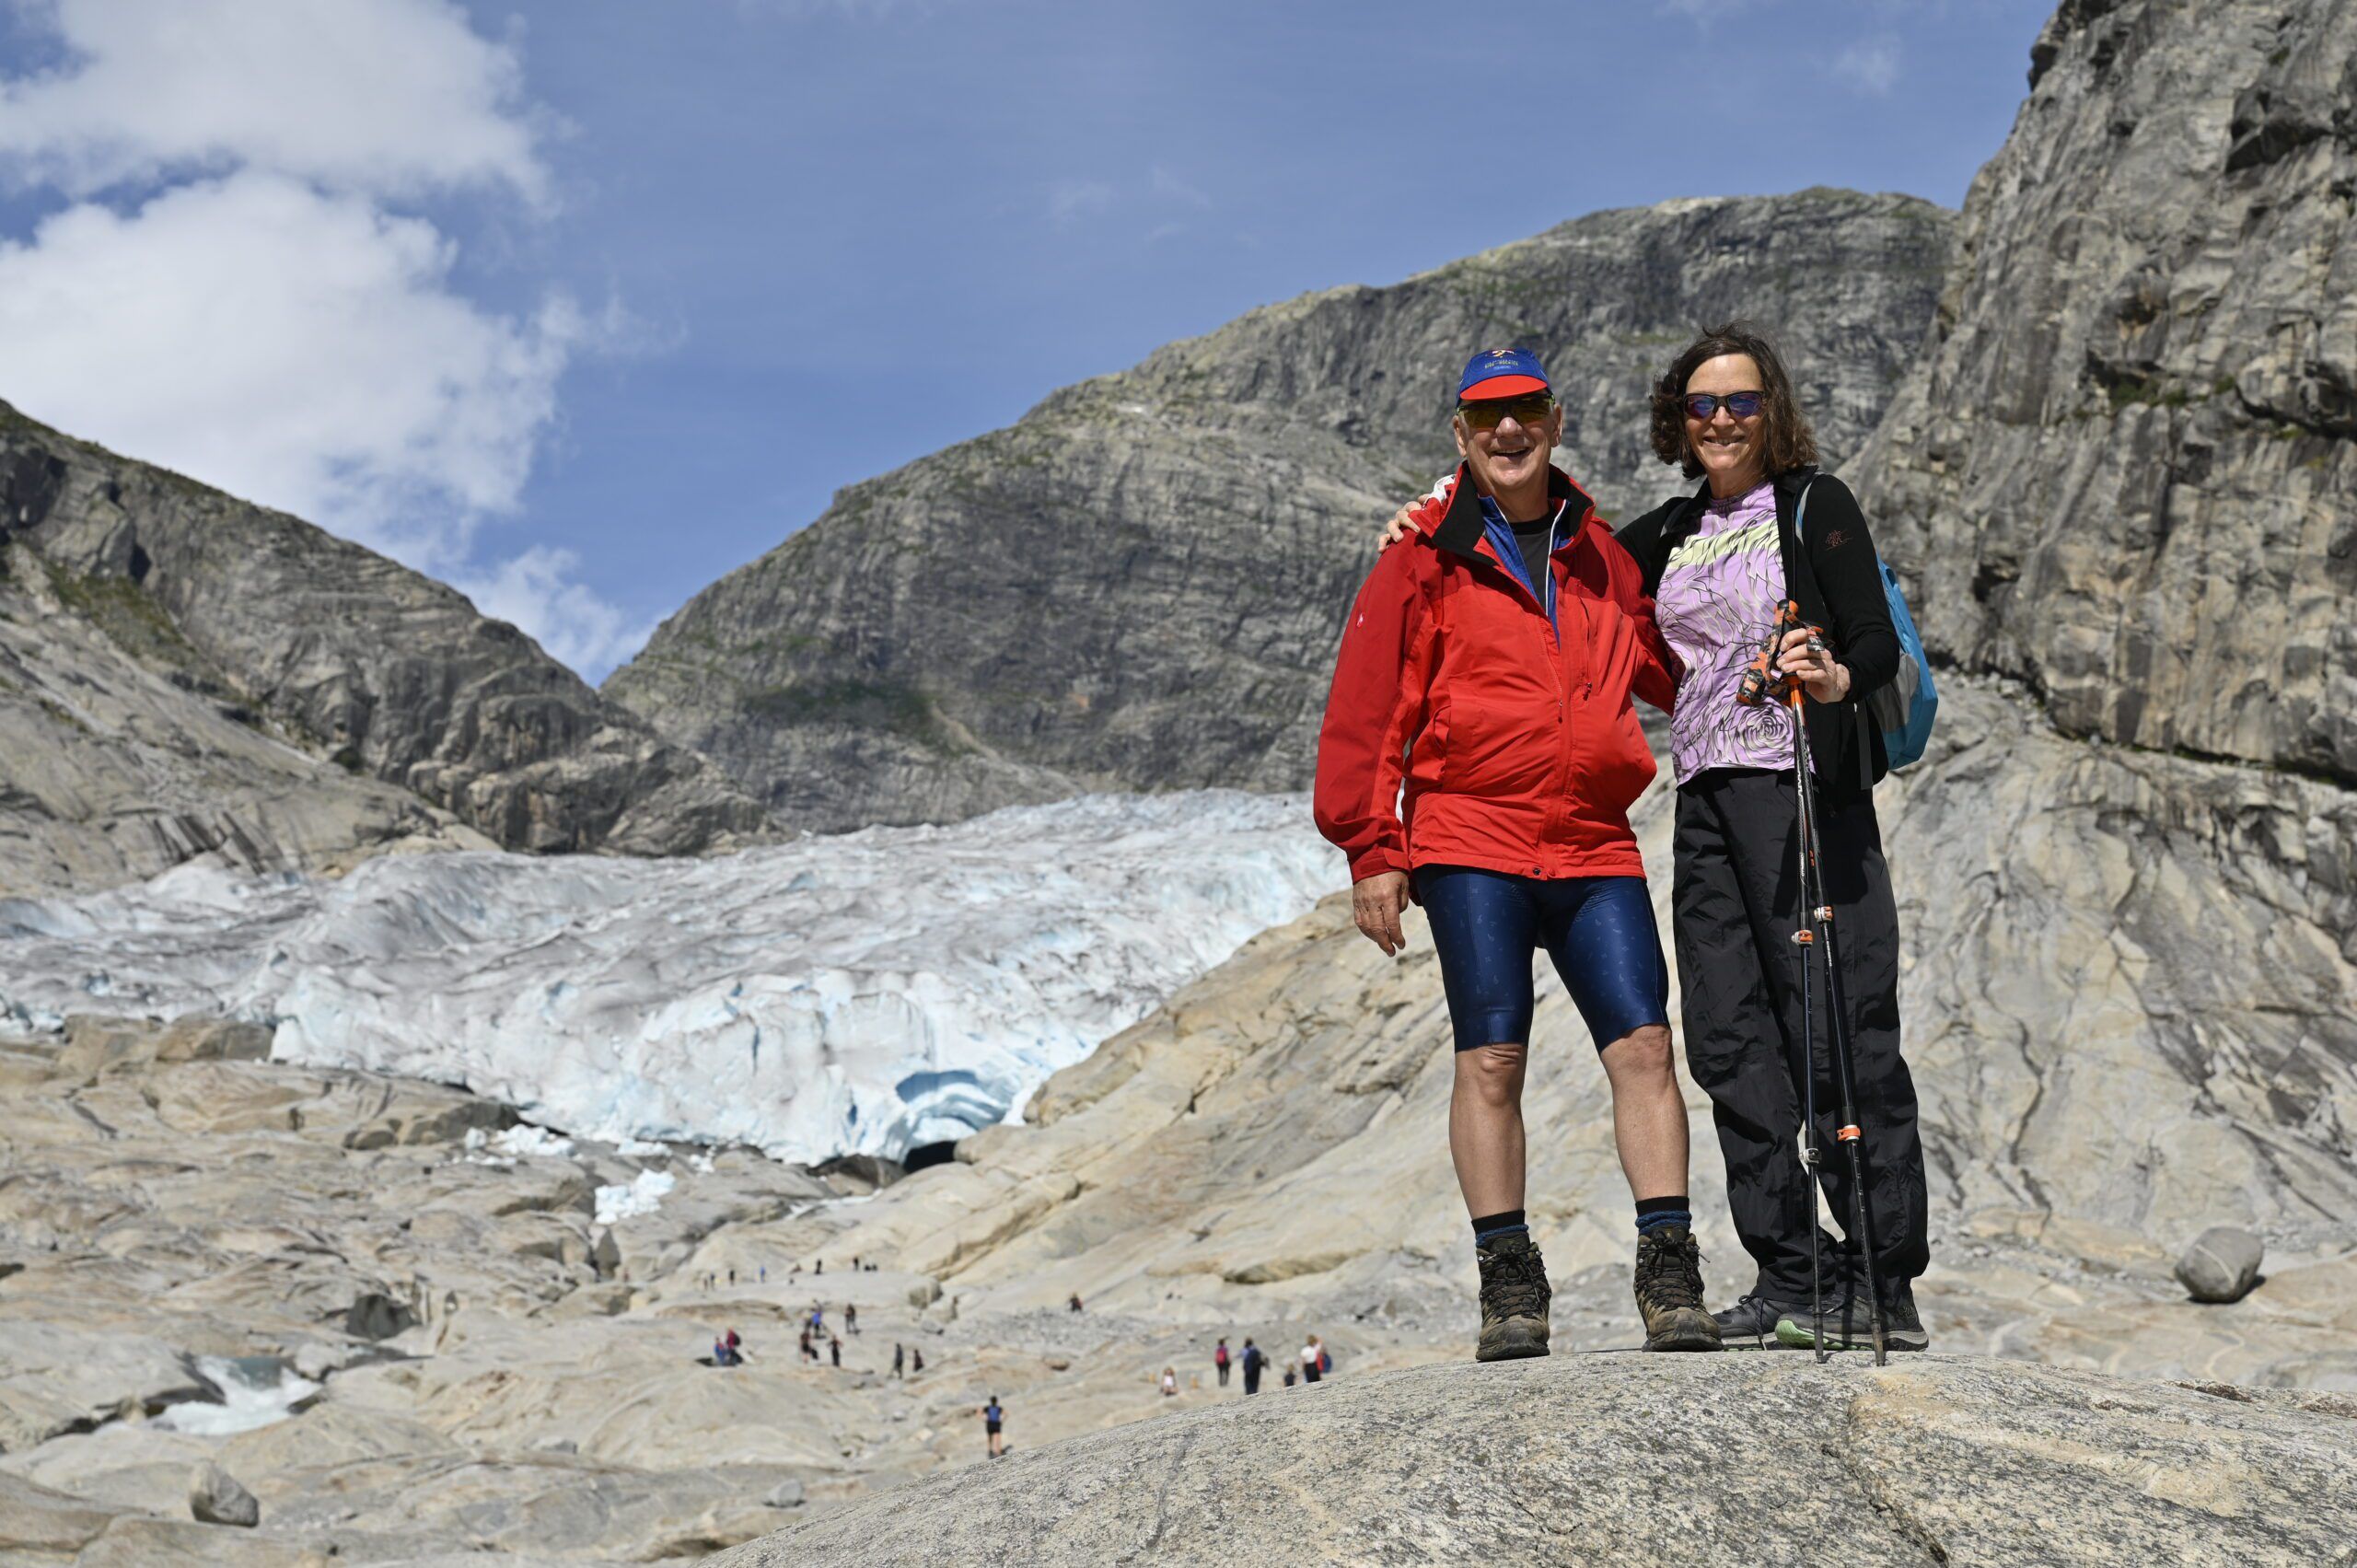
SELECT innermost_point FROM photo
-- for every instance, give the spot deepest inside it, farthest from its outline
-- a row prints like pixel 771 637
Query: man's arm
pixel 1374 709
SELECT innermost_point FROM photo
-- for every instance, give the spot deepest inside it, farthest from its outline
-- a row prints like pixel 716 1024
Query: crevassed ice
pixel 866 992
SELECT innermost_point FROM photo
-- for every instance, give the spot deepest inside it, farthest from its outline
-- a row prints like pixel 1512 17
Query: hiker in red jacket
pixel 1480 754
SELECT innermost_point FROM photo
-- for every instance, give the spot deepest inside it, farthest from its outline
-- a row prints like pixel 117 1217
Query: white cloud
pixel 535 590
pixel 1169 187
pixel 246 305
pixel 1071 200
pixel 297 348
pixel 1870 65
pixel 386 96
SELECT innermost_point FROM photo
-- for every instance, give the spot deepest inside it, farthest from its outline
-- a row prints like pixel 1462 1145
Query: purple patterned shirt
pixel 1718 598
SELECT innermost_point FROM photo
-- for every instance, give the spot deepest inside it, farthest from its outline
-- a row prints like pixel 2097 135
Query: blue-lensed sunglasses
pixel 1742 405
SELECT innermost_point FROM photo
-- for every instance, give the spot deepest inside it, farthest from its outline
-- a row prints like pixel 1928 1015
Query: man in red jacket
pixel 1487 667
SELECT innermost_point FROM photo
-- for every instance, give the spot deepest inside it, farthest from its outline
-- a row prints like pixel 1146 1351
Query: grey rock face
pixel 181 673
pixel 215 1498
pixel 2125 470
pixel 1622 1459
pixel 1140 584
pixel 2221 1264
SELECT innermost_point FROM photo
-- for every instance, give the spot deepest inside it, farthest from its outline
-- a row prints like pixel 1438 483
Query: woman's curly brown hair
pixel 1786 441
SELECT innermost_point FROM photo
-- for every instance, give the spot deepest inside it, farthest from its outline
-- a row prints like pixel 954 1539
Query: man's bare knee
pixel 1643 1055
pixel 1492 1073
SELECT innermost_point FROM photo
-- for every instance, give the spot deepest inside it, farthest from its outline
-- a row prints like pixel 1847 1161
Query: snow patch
pixel 642 1195
pixel 256 1391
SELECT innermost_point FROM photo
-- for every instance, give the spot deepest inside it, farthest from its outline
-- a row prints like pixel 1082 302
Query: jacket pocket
pixel 1497 747
pixel 1620 763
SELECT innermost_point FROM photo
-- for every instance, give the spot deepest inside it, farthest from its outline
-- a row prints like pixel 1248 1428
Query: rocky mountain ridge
pixel 181 673
pixel 1138 585
pixel 2124 469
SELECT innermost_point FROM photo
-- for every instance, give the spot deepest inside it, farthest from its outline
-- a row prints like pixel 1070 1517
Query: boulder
pixel 787 1493
pixel 215 1498
pixel 1619 1458
pixel 2221 1264
pixel 375 1315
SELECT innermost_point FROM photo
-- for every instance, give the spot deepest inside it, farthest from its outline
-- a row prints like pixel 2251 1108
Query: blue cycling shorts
pixel 1599 930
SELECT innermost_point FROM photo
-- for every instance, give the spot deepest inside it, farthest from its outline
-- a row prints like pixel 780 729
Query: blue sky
pixel 580 305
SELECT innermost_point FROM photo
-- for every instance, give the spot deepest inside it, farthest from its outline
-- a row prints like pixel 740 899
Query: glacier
pixel 866 993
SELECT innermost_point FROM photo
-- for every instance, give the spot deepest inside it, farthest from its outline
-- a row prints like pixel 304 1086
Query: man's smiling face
pixel 1511 454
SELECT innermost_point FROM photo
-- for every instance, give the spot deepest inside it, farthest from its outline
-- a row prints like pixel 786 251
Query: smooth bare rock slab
pixel 215 1497
pixel 1621 1458
pixel 39 1524
pixel 2221 1264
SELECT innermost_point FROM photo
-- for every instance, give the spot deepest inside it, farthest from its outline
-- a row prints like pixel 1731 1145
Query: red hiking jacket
pixel 1512 727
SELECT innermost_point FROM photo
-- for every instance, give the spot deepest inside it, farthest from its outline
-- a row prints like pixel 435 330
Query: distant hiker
pixel 735 1344
pixel 819 1267
pixel 1254 1360
pixel 1219 1360
pixel 808 1353
pixel 993 1418
pixel 900 1361
pixel 1488 665
pixel 851 1318
pixel 719 1351
pixel 1075 1301
pixel 1312 1361
pixel 731 1276
pixel 1169 1381
pixel 835 1349
pixel 1289 1378
pixel 765 1274
pixel 916 1359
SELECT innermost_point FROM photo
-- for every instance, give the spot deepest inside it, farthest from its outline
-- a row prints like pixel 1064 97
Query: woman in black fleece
pixel 1718 562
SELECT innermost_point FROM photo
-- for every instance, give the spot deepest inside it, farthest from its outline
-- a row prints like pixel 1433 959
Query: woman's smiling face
pixel 1727 448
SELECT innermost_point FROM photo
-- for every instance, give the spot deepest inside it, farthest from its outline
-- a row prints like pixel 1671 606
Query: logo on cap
pixel 1502 373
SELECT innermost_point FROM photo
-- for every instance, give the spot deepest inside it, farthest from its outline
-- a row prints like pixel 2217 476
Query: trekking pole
pixel 1817 913
pixel 1803 938
pixel 1763 682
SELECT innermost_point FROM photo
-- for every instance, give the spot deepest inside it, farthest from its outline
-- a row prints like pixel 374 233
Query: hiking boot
pixel 1669 1291
pixel 1902 1326
pixel 1847 1327
pixel 1844 1319
pixel 1514 1293
pixel 1750 1324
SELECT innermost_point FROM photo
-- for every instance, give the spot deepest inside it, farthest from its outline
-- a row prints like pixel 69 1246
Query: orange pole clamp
pixel 1847 1134
pixel 1802 938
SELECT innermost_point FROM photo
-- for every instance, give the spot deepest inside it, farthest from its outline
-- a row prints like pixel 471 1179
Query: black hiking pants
pixel 1736 898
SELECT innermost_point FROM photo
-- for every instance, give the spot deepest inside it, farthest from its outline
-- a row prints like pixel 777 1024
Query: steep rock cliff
pixel 333 659
pixel 2125 471
pixel 1139 583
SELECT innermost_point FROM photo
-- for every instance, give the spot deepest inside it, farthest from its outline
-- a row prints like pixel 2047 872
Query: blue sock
pixel 1652 1214
pixel 1488 1228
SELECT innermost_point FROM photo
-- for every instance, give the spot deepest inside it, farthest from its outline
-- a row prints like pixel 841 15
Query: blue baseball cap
pixel 1501 373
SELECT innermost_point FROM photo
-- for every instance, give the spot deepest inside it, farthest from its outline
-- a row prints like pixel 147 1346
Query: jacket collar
pixel 1461 527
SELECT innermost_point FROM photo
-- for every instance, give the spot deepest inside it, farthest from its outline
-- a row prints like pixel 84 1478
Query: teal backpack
pixel 1904 709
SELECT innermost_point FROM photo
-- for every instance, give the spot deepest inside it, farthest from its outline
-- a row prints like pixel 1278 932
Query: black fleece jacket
pixel 1838 585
